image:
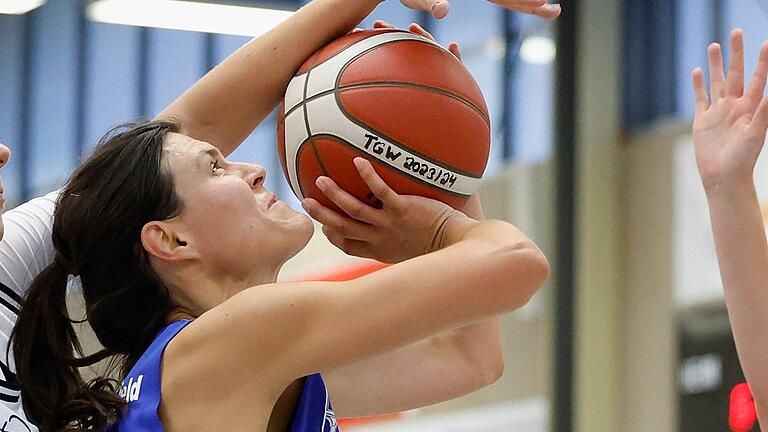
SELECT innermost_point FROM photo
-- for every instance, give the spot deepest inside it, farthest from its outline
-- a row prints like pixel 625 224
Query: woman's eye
pixel 215 167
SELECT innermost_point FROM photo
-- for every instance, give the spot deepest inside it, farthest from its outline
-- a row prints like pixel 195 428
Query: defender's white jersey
pixel 25 250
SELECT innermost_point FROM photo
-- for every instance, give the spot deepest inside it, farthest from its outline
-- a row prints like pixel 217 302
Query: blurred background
pixel 592 157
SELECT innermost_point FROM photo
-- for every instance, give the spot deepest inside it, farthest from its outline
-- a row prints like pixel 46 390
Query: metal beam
pixel 565 168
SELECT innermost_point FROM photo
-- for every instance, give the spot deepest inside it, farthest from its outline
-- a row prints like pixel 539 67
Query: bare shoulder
pixel 248 332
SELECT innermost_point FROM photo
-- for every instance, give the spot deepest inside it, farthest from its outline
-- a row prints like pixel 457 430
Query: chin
pixel 296 238
pixel 307 229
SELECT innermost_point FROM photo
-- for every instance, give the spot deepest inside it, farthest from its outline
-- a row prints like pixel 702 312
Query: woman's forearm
pixel 480 342
pixel 742 254
pixel 227 104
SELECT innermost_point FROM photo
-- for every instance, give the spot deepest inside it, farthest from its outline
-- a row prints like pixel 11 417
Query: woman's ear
pixel 162 241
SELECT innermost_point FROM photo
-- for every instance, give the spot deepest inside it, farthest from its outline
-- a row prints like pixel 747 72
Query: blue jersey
pixel 141 388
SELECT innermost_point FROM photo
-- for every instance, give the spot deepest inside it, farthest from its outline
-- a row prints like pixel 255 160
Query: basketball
pixel 399 100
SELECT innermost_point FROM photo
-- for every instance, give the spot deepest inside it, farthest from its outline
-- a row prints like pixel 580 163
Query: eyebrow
pixel 211 152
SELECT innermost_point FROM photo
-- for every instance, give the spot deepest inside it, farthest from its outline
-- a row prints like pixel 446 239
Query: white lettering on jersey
pixel 330 417
pixel 132 390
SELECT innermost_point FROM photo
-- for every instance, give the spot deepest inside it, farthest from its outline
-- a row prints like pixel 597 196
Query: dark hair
pixel 96 233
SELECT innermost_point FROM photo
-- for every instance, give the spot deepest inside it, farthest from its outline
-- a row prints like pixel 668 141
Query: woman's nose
pixel 254 175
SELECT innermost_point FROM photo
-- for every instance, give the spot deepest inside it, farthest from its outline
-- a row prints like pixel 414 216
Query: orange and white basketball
pixel 399 100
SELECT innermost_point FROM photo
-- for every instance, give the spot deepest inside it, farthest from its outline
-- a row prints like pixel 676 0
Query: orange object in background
pixel 367 420
pixel 349 272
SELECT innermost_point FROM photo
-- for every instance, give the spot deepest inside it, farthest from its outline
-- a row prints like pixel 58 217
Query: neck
pixel 195 290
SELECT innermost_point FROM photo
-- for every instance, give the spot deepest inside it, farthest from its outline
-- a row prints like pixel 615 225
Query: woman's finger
pixel 350 205
pixel 349 246
pixel 700 93
pixel 716 75
pixel 756 86
pixel 438 8
pixel 419 30
pixel 454 49
pixel 539 8
pixel 377 186
pixel 760 119
pixel 346 226
pixel 519 4
pixel 380 24
pixel 735 78
pixel 548 12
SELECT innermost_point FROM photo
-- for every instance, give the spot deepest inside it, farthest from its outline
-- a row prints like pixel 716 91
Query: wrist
pixel 451 229
pixel 473 208
pixel 728 186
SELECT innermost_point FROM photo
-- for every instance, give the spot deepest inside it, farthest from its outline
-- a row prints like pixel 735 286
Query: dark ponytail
pixel 96 233
pixel 58 399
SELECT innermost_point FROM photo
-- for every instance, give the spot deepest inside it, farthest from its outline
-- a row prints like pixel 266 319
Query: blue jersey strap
pixel 141 388
pixel 314 412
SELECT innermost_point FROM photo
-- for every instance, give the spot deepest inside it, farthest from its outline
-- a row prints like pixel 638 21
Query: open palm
pixel 730 125
pixel 440 8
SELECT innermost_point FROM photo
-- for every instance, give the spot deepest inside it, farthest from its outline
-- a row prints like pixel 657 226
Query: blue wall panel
pixel 111 89
pixel 53 95
pixel 175 63
pixel 10 115
pixel 534 101
pixel 469 24
pixel 693 37
pixel 650 62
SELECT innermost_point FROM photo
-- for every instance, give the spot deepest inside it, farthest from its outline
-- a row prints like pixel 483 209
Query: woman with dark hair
pixel 178 252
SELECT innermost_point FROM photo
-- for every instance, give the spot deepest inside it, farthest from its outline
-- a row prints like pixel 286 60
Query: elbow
pixel 480 371
pixel 479 359
pixel 540 268
pixel 492 370
pixel 527 268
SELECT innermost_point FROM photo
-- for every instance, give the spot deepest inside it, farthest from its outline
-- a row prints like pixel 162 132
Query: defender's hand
pixel 730 125
pixel 440 8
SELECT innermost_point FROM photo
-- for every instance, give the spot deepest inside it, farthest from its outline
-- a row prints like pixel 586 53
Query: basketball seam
pixel 390 167
pixel 431 159
pixel 346 114
pixel 349 117
pixel 338 89
pixel 285 150
pixel 298 155
pixel 352 60
pixel 349 45
pixel 393 84
pixel 427 42
pixel 309 131
pixel 370 129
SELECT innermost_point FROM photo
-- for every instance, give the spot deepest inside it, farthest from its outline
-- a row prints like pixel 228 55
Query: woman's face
pixel 235 225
